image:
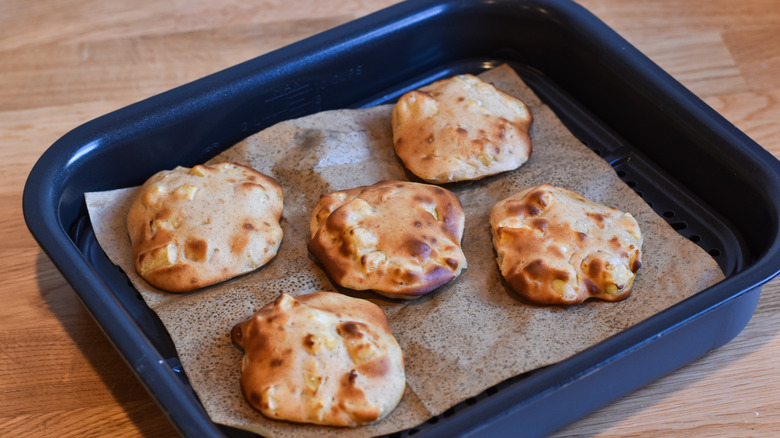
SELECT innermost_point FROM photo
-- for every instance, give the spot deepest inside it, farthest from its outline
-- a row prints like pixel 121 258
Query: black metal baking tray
pixel 710 181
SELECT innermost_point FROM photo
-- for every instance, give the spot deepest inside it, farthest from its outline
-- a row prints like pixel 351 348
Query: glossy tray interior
pixel 708 180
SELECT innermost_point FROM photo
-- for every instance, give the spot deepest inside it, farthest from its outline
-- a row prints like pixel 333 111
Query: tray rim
pixel 41 212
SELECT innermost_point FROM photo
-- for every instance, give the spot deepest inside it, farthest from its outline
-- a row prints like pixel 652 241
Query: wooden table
pixel 64 62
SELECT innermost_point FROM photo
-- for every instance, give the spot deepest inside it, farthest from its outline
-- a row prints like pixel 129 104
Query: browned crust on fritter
pixel 400 239
pixel 459 129
pixel 322 358
pixel 556 247
pixel 191 228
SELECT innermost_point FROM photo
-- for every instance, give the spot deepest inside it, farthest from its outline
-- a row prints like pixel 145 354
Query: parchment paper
pixel 458 341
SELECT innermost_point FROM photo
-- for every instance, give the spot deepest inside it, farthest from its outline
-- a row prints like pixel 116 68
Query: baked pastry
pixel 322 358
pixel 400 239
pixel 556 247
pixel 191 228
pixel 460 129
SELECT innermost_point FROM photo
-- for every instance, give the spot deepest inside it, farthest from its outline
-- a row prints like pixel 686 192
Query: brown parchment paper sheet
pixel 457 341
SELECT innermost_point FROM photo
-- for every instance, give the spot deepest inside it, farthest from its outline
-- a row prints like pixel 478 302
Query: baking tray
pixel 712 183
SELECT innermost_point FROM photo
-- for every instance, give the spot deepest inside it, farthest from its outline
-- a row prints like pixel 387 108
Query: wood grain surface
pixel 65 62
